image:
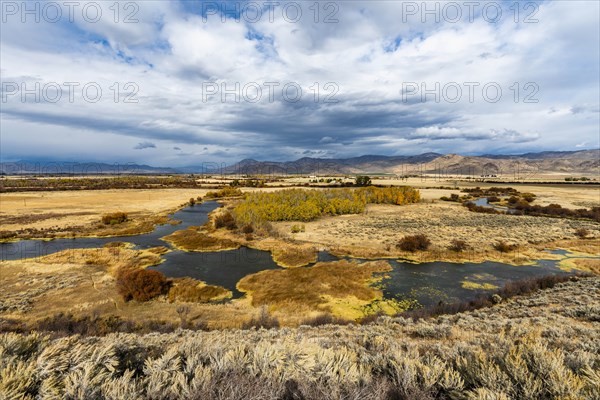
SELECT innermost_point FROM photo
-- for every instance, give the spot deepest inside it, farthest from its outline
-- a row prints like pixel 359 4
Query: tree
pixel 362 180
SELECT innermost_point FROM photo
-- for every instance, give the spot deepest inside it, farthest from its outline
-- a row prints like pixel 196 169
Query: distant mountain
pixel 25 167
pixel 567 162
pixel 585 161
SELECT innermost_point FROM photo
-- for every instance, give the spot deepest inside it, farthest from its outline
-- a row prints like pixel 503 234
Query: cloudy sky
pixel 171 83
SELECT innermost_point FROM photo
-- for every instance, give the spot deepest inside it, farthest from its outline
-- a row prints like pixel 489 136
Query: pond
pixel 426 282
pixel 483 202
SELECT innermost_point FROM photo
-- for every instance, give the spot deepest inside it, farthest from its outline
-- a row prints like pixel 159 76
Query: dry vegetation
pixel 188 290
pixel 308 205
pixel 70 214
pixel 294 256
pixel 541 347
pixel 79 284
pixel 377 232
pixel 196 239
pixel 339 287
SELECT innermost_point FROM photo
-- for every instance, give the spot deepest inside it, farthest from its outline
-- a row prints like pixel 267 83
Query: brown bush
pixel 225 220
pixel 458 245
pixel 141 284
pixel 7 234
pixel 528 197
pixel 114 218
pixel 248 229
pixel 504 247
pixel 263 320
pixel 414 242
pixel 582 233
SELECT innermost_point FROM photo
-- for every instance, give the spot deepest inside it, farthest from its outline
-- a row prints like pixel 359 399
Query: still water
pixel 426 282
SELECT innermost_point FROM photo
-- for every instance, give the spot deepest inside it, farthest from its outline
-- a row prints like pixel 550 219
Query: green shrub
pixel 225 192
pixel 362 180
pixel 297 228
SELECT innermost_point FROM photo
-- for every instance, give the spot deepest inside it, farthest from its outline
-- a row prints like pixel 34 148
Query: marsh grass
pixel 510 289
pixel 194 291
pixel 292 256
pixel 193 239
pixel 298 288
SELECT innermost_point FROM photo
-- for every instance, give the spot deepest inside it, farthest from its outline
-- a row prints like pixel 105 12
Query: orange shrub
pixel 141 284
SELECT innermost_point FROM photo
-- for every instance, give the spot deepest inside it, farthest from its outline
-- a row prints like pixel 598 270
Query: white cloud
pixel 368 54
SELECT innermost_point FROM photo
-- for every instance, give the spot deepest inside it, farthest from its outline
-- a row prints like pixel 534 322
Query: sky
pixel 180 83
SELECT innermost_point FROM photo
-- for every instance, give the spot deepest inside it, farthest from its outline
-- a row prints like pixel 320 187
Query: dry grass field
pixel 376 232
pixel 72 211
pixel 545 346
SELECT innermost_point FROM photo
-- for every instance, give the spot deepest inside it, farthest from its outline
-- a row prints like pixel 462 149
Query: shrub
pixel 192 201
pixel 7 234
pixel 413 243
pixel 225 220
pixel 114 218
pixel 582 233
pixel 528 197
pixel 308 205
pixel 504 247
pixel 141 284
pixel 458 245
pixel 248 229
pixel 225 192
pixel 324 319
pixel 263 320
pixel 513 200
pixel 363 180
pixel 296 228
pixel 493 199
pixel 480 209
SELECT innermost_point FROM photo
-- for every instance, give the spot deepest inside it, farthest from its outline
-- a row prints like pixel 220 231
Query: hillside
pixel 546 346
pixel 585 162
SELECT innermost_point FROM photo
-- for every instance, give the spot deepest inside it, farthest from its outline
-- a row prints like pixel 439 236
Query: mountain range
pixel 585 162
pixel 567 162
